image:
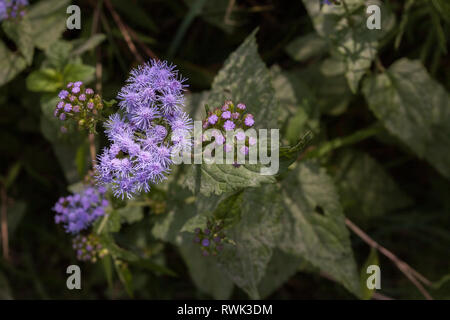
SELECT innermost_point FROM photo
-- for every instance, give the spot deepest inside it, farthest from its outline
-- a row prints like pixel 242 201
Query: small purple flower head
pixel 228 125
pixel 244 150
pixel 82 97
pixel 70 84
pixel 60 105
pixel 78 84
pixel 241 106
pixel 235 115
pixel 212 119
pixel 75 89
pixel 89 91
pixel 226 115
pixel 76 108
pixel 249 121
pixel 205 242
pixel 63 129
pixel 62 116
pixel 78 211
pixel 63 94
pixel 90 105
pixel 67 107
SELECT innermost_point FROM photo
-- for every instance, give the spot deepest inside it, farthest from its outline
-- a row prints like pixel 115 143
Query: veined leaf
pixel 414 108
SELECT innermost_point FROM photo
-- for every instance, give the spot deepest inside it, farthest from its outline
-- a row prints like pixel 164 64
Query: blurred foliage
pixel 372 107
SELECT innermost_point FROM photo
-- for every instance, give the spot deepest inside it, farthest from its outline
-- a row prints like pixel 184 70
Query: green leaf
pixel 305 47
pixel 372 259
pixel 64 144
pixel 11 64
pixel 380 194
pixel 344 27
pixel 78 72
pixel 58 55
pixel 44 80
pixel 222 178
pixel 414 108
pixel 125 276
pixel 255 236
pixel 281 267
pixel 130 214
pixel 204 271
pixel 313 224
pixel 20 32
pixel 48 21
pixel 243 78
pixel 89 44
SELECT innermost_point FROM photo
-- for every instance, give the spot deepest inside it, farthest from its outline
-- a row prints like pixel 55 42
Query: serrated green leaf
pixel 255 236
pixel 205 272
pixel 48 21
pixel 245 78
pixel 20 32
pixel 63 143
pixel 44 80
pixel 11 64
pixel 344 27
pixel 58 55
pixel 281 267
pixel 131 213
pixel 222 178
pixel 313 224
pixel 414 108
pixel 78 72
pixel 380 194
pixel 256 91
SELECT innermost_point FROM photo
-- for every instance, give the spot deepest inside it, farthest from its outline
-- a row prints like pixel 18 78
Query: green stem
pixel 343 141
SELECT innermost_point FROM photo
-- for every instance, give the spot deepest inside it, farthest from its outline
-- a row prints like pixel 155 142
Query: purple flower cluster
pixel 78 103
pixel 228 118
pixel 88 248
pixel 211 238
pixel 78 211
pixel 12 8
pixel 150 126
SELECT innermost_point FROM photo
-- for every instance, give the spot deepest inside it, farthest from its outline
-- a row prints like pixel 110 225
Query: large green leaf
pixel 380 194
pixel 255 236
pixel 222 178
pixel 313 224
pixel 243 78
pixel 344 27
pixel 11 64
pixel 20 32
pixel 205 272
pixel 415 108
pixel 64 144
pixel 48 21
pixel 44 80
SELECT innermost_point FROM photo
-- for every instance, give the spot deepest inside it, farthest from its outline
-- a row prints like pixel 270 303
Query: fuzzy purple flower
pixel 212 119
pixel 153 126
pixel 228 125
pixel 78 211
